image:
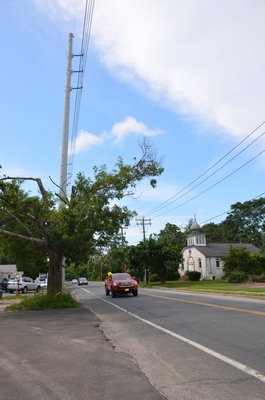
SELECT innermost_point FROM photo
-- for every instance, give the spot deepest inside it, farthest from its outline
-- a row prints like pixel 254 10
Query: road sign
pixel 17 275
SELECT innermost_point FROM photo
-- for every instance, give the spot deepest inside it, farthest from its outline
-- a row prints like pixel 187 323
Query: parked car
pixel 23 285
pixel 3 284
pixel 120 283
pixel 82 281
pixel 74 281
pixel 43 283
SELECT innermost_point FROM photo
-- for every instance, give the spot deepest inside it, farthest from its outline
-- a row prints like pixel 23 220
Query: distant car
pixel 3 284
pixel 43 283
pixel 121 283
pixel 82 281
pixel 23 285
pixel 74 281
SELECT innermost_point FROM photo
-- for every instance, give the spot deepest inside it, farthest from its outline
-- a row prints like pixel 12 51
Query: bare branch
pixel 23 237
pixel 38 180
pixel 19 222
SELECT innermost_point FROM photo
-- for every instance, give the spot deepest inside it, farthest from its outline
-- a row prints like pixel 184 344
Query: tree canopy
pixel 89 218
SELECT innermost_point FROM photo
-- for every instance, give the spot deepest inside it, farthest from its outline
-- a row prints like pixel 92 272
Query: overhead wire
pixel 215 184
pixel 174 198
pixel 86 32
pixel 226 212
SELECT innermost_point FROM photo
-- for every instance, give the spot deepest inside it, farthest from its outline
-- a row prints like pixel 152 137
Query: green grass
pixel 218 286
pixel 44 301
pixel 9 297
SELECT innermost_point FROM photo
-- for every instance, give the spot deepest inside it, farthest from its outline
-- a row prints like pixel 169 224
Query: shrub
pixel 193 275
pixel 237 277
pixel 154 278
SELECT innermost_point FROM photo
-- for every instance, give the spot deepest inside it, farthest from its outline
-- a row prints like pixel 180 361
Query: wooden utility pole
pixel 123 233
pixel 143 222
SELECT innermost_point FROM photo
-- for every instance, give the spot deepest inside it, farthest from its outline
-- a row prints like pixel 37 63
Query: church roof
pixel 222 249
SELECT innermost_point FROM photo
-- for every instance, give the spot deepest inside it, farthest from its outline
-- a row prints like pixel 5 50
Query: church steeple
pixel 196 237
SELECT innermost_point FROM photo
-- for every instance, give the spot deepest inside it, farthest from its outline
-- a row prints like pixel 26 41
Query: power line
pixel 170 200
pixel 226 212
pixel 87 24
pixel 215 184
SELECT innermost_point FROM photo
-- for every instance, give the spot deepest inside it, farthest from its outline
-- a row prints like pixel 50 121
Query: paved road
pixel 189 346
pixel 64 355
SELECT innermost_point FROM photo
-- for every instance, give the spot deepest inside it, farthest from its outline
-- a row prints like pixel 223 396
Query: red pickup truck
pixel 120 283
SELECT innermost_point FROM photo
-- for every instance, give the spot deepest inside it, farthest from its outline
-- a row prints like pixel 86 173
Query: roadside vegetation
pixel 218 286
pixel 45 301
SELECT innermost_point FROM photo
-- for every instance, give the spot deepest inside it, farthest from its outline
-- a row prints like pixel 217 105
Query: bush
pixel 193 275
pixel 154 278
pixel 237 277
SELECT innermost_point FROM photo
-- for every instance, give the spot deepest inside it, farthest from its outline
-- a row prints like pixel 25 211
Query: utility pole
pixel 64 153
pixel 143 222
pixel 65 136
pixel 123 233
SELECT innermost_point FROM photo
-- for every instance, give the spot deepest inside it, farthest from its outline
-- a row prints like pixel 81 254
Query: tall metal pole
pixel 64 153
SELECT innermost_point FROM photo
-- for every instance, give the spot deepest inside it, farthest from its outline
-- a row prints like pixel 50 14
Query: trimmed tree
pixel 88 219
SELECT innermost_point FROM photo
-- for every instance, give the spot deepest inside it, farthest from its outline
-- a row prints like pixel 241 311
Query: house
pixel 207 258
pixel 8 270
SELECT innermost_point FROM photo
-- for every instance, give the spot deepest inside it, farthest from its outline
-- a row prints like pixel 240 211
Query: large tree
pixel 88 218
pixel 246 222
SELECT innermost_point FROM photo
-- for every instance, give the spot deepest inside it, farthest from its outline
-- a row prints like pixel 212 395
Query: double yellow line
pixel 200 303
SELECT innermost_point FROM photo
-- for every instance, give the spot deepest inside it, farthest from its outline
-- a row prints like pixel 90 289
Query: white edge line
pixel 242 367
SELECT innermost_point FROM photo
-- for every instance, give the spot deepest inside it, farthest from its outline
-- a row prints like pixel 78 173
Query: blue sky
pixel 188 76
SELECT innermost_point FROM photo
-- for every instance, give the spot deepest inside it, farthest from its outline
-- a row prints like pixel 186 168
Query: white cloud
pixel 85 141
pixel 203 58
pixel 131 126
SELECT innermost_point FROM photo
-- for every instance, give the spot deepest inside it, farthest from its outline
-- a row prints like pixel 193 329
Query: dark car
pixel 82 281
pixel 121 283
pixel 3 284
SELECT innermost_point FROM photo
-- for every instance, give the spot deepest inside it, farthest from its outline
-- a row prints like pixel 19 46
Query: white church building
pixel 205 257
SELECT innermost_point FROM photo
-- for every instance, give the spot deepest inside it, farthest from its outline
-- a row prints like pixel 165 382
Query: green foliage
pixel 214 232
pixel 241 260
pixel 193 275
pixel 89 219
pixel 246 222
pixel 44 301
pixel 154 278
pixel 237 277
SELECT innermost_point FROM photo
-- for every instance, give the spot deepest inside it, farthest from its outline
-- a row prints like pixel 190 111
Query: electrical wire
pixel 226 212
pixel 174 198
pixel 87 24
pixel 215 184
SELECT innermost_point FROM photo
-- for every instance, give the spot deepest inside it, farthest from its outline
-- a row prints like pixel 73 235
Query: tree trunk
pixel 55 284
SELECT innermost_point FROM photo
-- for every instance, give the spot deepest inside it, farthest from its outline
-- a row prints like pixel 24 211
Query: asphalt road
pixel 188 346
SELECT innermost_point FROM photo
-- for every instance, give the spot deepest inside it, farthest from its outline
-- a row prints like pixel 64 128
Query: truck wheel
pixel 135 293
pixel 113 294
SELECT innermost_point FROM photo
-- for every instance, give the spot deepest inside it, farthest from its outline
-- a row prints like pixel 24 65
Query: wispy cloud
pixel 203 58
pixel 131 126
pixel 118 132
pixel 85 141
